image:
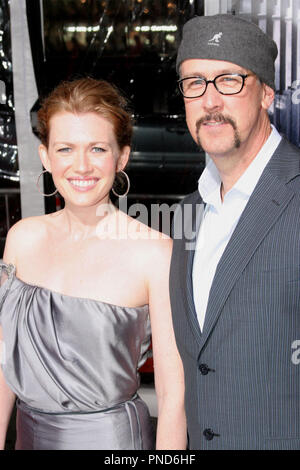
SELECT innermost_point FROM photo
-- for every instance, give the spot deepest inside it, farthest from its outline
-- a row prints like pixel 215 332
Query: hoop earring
pixel 37 185
pixel 128 186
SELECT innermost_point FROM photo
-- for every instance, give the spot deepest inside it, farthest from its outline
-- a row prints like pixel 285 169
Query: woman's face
pixel 83 157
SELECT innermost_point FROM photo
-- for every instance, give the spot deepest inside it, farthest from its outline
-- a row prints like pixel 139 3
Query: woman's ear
pixel 123 158
pixel 43 153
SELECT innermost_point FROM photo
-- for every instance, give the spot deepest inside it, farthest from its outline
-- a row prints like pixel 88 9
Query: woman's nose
pixel 82 163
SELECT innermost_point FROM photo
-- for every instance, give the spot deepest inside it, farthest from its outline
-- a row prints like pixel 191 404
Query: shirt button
pixel 209 434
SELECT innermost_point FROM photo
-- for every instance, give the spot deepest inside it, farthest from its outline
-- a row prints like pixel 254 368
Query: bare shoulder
pixel 23 235
pixel 139 230
pixel 29 226
pixel 149 239
pixel 151 248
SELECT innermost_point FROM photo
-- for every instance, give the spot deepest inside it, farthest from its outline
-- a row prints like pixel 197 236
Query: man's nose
pixel 212 99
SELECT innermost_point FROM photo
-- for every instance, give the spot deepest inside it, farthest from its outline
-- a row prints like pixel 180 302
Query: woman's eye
pixel 64 150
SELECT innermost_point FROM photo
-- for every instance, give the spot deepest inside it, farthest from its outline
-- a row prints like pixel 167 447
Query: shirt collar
pixel 210 181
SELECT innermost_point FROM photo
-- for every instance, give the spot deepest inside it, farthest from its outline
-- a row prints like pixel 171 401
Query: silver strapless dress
pixel 73 364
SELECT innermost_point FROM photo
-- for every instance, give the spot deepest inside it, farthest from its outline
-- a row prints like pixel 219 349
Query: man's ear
pixel 43 153
pixel 268 96
pixel 123 158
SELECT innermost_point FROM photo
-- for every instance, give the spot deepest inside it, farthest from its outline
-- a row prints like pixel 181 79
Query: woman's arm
pixel 7 400
pixel 168 369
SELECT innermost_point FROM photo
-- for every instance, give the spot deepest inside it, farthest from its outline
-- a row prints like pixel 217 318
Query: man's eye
pixel 98 149
pixel 64 149
pixel 197 82
pixel 229 79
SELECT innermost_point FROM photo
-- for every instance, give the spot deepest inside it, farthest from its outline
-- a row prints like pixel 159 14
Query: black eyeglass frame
pixel 243 76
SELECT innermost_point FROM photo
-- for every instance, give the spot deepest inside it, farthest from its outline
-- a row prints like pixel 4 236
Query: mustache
pixel 217 117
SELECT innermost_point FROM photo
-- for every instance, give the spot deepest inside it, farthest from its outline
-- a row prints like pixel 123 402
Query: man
pixel 235 292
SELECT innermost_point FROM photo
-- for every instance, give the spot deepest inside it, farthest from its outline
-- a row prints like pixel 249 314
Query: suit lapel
pixel 267 202
pixel 192 217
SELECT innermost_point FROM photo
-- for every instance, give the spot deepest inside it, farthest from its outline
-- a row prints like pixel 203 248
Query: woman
pixel 78 286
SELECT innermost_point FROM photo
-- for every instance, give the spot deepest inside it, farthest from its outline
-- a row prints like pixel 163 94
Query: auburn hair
pixel 87 95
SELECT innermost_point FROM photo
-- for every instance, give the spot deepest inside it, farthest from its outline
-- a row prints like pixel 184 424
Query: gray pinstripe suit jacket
pixel 242 387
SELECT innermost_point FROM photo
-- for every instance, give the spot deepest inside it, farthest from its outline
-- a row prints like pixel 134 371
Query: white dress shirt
pixel 220 219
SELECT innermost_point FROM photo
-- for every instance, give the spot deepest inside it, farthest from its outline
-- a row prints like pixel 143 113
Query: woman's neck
pixel 83 222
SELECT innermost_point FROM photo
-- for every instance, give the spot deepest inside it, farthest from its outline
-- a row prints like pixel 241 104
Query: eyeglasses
pixel 226 84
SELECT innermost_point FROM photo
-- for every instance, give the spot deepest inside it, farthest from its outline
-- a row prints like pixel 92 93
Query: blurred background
pixel 133 44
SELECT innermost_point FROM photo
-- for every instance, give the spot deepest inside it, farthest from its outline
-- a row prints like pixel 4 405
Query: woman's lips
pixel 83 184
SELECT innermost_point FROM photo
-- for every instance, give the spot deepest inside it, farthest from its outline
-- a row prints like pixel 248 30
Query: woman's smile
pixel 83 184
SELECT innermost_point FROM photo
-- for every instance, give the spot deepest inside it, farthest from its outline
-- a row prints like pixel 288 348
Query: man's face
pixel 225 124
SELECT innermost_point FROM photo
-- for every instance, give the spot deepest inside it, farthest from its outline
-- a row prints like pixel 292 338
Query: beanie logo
pixel 214 41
